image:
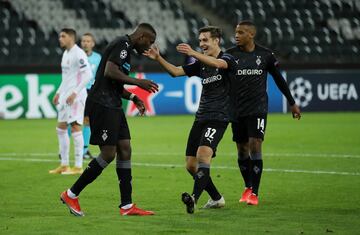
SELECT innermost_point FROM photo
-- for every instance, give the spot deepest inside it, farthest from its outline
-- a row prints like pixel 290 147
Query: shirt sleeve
pixel 82 60
pixel 192 69
pixel 119 53
pixel 230 60
pixel 279 79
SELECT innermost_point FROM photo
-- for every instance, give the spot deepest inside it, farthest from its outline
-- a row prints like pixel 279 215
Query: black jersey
pixel 214 100
pixel 249 81
pixel 106 91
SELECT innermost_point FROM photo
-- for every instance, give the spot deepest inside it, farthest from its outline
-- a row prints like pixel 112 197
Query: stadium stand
pixel 323 31
pixel 300 31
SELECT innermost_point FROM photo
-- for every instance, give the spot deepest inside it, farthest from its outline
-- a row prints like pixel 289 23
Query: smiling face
pixel 244 34
pixel 208 44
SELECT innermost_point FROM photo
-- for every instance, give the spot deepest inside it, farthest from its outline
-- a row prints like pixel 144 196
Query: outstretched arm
pixel 113 72
pixel 208 60
pixel 154 53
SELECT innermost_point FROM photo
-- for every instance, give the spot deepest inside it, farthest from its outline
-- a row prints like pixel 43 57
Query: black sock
pixel 245 170
pixel 256 170
pixel 210 188
pixel 92 171
pixel 124 176
pixel 201 180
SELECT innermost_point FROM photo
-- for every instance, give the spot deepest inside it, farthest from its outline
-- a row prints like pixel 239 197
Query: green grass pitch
pixel 310 184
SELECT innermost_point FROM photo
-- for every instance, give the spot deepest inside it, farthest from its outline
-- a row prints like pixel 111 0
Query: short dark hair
pixel 215 32
pixel 148 27
pixel 90 35
pixel 248 23
pixel 69 31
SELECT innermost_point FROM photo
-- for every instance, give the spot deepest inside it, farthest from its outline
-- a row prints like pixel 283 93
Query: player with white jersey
pixel 70 101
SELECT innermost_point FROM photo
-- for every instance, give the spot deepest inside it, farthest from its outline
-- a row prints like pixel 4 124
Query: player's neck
pixel 216 52
pixel 68 48
pixel 249 47
pixel 88 53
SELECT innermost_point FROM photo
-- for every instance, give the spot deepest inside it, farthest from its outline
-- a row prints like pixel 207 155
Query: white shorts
pixel 71 113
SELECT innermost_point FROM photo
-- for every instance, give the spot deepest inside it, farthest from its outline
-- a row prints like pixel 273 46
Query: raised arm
pixel 154 53
pixel 208 60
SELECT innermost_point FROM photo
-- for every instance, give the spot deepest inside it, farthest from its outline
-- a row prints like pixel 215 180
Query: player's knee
pixel 191 168
pixel 124 154
pixel 124 150
pixel 108 153
pixel 255 144
pixel 243 150
pixel 204 154
pixel 75 127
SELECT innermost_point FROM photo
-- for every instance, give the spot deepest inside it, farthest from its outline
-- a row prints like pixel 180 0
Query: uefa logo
pixel 301 91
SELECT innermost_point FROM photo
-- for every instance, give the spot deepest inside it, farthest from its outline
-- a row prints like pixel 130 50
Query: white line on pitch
pixel 181 166
pixel 324 155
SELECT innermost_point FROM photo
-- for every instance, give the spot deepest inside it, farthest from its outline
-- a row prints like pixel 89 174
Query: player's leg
pixel 192 163
pixel 257 126
pixel 94 169
pixel 64 147
pixel 123 170
pixel 240 136
pixel 102 121
pixel 76 119
pixel 86 137
pixel 76 134
pixel 211 134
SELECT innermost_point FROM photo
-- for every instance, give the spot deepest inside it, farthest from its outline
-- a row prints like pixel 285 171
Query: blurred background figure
pixel 94 58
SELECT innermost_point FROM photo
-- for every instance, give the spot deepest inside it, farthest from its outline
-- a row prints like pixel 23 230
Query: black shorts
pixel 107 125
pixel 249 126
pixel 205 133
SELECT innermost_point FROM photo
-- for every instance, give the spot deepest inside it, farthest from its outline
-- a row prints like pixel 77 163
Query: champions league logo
pixel 123 54
pixel 301 90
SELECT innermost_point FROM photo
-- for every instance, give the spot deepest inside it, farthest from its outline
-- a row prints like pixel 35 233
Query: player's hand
pixel 70 100
pixel 139 105
pixel 153 52
pixel 56 99
pixel 185 49
pixel 147 85
pixel 295 110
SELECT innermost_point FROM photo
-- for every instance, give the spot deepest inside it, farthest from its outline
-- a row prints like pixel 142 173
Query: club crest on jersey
pixel 81 61
pixel 258 60
pixel 123 54
pixel 104 136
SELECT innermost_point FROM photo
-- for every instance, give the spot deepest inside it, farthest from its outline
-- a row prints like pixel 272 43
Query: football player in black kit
pixel 211 117
pixel 249 101
pixel 108 124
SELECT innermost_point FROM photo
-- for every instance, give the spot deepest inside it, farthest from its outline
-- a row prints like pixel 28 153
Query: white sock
pixel 71 194
pixel 64 145
pixel 79 146
pixel 128 206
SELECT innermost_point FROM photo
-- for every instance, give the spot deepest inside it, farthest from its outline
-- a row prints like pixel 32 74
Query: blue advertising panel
pixel 181 95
